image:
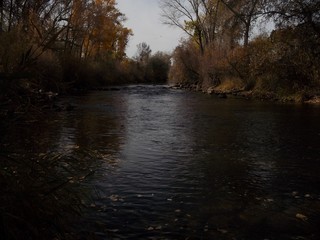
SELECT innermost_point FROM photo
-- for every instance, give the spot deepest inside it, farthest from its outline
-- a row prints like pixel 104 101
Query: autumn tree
pixel 297 39
pixel 40 39
pixel 245 12
pixel 32 25
pixel 95 29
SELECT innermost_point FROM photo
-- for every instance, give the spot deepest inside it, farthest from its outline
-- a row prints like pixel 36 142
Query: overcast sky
pixel 145 21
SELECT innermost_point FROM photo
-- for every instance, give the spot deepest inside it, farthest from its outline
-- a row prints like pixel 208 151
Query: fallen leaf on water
pixel 295 193
pixel 223 231
pixel 206 228
pixel 301 217
pixel 114 198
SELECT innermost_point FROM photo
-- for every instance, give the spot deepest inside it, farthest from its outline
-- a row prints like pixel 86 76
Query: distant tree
pixel 158 66
pixel 148 67
pixel 143 53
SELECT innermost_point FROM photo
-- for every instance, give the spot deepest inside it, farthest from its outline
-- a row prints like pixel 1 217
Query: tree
pixel 1 16
pixel 158 67
pixel 298 33
pixel 186 64
pixel 143 53
pixel 206 21
pixel 188 15
pixel 247 12
pixel 84 38
pixel 36 26
pixel 95 29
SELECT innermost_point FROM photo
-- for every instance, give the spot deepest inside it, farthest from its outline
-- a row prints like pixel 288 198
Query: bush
pixel 13 50
pixel 158 68
pixel 48 72
pixel 283 61
pixel 185 68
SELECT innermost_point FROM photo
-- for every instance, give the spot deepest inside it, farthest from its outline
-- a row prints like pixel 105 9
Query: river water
pixel 180 165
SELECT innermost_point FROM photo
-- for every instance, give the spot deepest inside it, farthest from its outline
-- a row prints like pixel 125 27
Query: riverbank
pixel 230 91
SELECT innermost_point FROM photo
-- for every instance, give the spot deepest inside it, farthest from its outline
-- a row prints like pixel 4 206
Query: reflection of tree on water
pixel 45 172
pixel 191 166
pixel 248 171
pixel 96 126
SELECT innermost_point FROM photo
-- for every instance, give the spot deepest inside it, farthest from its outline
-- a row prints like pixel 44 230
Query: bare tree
pixel 247 12
pixel 143 53
pixel 296 12
pixel 203 20
pixel 186 15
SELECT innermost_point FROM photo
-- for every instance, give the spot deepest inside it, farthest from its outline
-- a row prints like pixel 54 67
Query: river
pixel 181 165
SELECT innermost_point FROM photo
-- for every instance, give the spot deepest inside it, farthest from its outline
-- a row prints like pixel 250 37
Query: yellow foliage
pixel 98 30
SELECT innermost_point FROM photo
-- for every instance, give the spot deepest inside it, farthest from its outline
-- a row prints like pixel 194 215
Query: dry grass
pixel 230 84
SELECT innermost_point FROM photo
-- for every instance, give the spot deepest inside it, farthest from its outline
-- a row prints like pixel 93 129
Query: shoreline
pixel 299 97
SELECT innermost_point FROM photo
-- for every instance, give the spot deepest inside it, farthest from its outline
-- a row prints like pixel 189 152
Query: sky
pixel 144 18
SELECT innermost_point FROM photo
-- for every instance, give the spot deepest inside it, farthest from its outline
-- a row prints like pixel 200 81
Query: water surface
pixel 181 165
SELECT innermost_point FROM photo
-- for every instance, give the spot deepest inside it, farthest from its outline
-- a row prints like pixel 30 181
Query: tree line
pixel 60 45
pixel 56 34
pixel 261 45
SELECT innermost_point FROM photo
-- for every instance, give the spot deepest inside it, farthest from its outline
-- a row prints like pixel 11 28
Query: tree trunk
pixel 1 16
pixel 10 16
pixel 247 33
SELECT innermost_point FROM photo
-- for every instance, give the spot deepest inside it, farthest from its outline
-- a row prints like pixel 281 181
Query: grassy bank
pixel 234 89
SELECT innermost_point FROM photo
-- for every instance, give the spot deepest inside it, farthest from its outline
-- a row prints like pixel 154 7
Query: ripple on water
pixel 176 165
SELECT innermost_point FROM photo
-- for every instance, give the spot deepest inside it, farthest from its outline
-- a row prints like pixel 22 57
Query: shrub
pixel 158 68
pixel 185 68
pixel 48 71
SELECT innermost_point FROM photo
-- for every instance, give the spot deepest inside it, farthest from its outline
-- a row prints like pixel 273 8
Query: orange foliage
pixel 97 30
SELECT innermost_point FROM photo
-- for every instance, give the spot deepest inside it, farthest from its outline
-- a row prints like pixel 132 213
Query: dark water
pixel 181 165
